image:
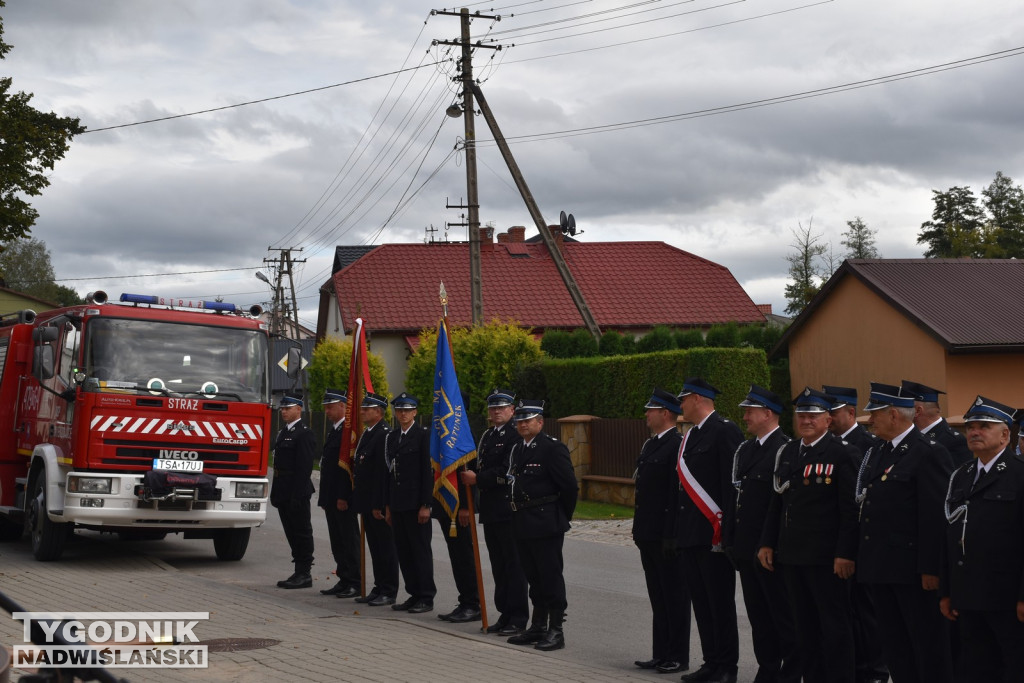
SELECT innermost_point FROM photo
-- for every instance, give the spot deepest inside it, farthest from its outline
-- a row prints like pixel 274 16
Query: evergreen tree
pixel 859 240
pixel 804 268
pixel 955 220
pixel 1004 202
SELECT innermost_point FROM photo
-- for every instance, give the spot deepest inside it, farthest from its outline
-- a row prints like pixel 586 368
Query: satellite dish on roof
pixel 568 224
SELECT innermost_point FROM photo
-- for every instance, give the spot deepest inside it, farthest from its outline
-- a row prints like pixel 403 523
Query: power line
pixel 128 277
pixel 245 104
pixel 781 99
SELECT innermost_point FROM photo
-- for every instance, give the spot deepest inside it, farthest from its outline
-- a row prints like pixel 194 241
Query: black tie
pixel 982 472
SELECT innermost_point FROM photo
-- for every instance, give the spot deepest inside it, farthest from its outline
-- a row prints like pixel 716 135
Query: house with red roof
pixel 394 288
pixel 952 324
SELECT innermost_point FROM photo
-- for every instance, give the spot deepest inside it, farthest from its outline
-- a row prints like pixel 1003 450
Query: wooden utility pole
pixel 471 94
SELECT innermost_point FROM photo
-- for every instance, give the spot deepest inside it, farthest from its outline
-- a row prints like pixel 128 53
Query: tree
pixel 329 366
pixel 658 339
pixel 859 240
pixel 31 142
pixel 25 267
pixel 955 217
pixel 803 268
pixel 1004 202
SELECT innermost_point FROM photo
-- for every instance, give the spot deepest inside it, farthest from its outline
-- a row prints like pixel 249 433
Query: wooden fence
pixel 615 445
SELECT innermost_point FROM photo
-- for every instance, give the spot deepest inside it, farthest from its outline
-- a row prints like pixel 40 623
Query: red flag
pixel 358 382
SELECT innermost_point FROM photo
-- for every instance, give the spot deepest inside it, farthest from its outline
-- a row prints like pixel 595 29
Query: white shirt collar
pixel 764 438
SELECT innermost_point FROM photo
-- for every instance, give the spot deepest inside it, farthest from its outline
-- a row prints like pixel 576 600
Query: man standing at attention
pixel 654 532
pixel 410 490
pixel 491 478
pixel 982 583
pixel 704 468
pixel 929 421
pixel 336 499
pixel 764 595
pixel 370 473
pixel 543 499
pixel 810 536
pixel 294 451
pixel 900 488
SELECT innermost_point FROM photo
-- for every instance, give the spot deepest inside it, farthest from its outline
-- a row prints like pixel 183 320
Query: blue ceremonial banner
pixel 451 441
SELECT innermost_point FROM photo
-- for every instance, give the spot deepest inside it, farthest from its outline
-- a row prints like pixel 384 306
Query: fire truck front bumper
pixel 125 500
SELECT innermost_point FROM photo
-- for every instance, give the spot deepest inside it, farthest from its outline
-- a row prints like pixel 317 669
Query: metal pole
pixel 473 200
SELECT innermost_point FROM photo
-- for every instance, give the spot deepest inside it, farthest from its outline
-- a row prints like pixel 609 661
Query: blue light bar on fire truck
pixel 140 299
pixel 218 306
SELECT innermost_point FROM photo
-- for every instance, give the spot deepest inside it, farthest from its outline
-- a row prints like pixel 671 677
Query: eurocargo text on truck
pixel 144 417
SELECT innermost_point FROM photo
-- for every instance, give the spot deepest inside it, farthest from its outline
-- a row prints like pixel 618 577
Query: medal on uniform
pixel 828 473
pixel 885 475
pixel 818 470
pixel 807 474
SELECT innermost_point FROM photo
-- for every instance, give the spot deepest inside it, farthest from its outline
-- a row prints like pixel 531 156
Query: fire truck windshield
pixel 175 359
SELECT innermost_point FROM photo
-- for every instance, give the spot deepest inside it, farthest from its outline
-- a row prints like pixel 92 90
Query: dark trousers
pixel 343 530
pixel 867 646
pixel 510 587
pixel 711 581
pixel 415 558
pixel 991 646
pixel 912 632
pixel 821 612
pixel 772 631
pixel 381 543
pixel 670 603
pixel 299 531
pixel 542 564
pixel 460 553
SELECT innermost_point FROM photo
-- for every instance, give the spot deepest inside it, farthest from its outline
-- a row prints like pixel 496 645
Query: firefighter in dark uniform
pixel 510 587
pixel 764 596
pixel 460 556
pixel 369 498
pixel 900 489
pixel 705 476
pixel 930 422
pixel 982 582
pixel 654 532
pixel 336 499
pixel 810 536
pixel 544 493
pixel 410 490
pixel 294 452
pixel 867 647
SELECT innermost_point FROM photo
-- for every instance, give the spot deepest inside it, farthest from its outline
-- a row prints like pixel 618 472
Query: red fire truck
pixel 142 417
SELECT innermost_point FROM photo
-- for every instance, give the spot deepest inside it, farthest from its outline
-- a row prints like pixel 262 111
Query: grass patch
pixel 589 509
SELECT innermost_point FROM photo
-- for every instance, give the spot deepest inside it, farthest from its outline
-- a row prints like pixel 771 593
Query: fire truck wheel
pixel 230 544
pixel 48 537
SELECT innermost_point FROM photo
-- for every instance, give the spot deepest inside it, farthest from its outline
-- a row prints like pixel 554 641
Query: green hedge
pixel 619 386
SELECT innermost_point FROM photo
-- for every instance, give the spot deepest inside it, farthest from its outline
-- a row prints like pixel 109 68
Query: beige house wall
pixel 998 376
pixel 855 337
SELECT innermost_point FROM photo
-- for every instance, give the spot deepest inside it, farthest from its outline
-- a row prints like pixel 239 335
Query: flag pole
pixel 469 499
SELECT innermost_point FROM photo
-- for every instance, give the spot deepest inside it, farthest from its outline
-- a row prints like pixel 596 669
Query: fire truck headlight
pixel 250 489
pixel 89 484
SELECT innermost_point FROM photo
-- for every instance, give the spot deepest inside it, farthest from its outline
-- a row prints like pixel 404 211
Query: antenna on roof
pixel 429 234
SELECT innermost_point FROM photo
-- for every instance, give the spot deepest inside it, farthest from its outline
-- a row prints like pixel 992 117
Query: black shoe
pixel 448 615
pixel 382 600
pixel 529 637
pixel 669 667
pixel 511 630
pixel 723 674
pixel 552 640
pixel 496 627
pixel 297 580
pixel 283 582
pixel 647 663
pixel 704 673
pixel 333 590
pixel 349 592
pixel 464 615
pixel 404 606
pixel 421 606
pixel 372 595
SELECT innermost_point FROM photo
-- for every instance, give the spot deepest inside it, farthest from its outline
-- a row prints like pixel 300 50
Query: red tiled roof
pixel 395 286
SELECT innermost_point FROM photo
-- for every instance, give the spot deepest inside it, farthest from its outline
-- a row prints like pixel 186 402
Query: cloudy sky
pixel 195 202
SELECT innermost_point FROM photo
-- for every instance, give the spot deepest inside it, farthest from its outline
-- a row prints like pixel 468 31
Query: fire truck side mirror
pixel 42 362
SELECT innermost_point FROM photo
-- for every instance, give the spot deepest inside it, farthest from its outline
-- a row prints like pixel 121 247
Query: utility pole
pixel 472 198
pixel 471 92
pixel 283 266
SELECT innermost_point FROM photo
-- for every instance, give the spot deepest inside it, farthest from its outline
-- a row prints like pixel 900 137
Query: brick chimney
pixel 503 238
pixel 556 235
pixel 517 233
pixel 486 238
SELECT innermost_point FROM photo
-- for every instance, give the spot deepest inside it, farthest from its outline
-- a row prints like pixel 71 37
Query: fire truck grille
pixel 214 456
